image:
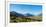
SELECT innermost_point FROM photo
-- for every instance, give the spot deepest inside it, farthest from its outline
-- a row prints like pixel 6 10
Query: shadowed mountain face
pixel 18 14
pixel 15 14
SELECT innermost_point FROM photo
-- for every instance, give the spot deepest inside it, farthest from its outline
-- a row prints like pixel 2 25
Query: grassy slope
pixel 20 19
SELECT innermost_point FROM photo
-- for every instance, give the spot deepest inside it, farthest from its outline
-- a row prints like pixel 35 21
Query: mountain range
pixel 19 14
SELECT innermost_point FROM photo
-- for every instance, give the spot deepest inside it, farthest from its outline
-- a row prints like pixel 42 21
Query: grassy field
pixel 14 19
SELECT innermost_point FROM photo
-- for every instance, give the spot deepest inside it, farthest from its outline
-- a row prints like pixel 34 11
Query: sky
pixel 25 8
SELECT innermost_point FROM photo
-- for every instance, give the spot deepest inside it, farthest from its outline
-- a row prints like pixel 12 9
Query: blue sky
pixel 24 8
